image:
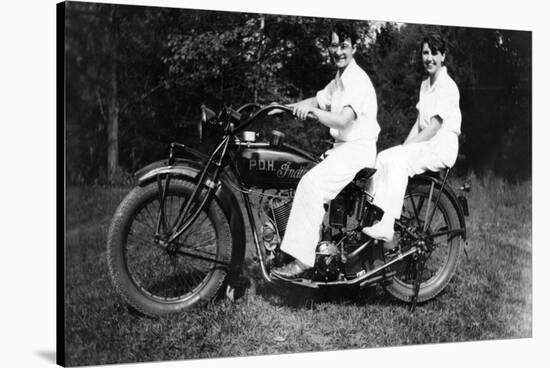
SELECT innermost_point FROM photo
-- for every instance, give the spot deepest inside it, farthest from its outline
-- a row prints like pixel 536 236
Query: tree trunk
pixel 112 133
pixel 112 128
pixel 259 58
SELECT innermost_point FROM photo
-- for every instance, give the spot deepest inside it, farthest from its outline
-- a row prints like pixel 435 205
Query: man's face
pixel 341 51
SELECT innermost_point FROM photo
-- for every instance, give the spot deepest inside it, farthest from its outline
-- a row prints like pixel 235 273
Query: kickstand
pixel 466 251
pixel 418 268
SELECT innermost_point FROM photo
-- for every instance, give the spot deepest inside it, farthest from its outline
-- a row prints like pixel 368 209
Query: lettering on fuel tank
pixel 286 171
pixel 263 165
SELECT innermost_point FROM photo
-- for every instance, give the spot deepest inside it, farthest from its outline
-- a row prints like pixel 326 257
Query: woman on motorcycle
pixel 432 143
pixel 347 105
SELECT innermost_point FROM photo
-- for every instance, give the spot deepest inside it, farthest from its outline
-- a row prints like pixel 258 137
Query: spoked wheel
pixel 158 278
pixel 435 265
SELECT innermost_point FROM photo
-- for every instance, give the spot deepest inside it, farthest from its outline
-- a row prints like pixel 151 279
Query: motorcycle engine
pixel 272 231
pixel 278 211
pixel 328 264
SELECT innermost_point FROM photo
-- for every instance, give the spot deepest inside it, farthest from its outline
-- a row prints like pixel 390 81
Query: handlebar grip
pixel 313 117
pixel 235 114
pixel 290 110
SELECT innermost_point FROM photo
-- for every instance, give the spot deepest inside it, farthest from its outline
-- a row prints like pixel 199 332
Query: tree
pixel 392 63
pixel 112 67
pixel 135 75
pixel 492 69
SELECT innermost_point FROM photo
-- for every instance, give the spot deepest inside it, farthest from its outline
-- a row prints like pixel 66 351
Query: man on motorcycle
pixel 348 106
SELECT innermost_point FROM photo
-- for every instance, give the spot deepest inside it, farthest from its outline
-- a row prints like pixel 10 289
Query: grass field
pixel 490 296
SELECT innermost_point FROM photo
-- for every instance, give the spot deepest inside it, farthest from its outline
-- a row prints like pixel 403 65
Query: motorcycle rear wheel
pixel 153 280
pixel 442 262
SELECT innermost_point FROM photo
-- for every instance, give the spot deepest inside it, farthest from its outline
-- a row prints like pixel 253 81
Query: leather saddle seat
pixel 365 173
pixel 436 174
pixel 433 174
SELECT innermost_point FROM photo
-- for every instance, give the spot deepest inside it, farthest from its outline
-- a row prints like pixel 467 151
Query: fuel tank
pixel 265 166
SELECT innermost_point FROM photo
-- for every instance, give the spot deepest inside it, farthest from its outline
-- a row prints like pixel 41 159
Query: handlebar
pixel 207 115
pixel 251 105
pixel 290 110
pixel 264 111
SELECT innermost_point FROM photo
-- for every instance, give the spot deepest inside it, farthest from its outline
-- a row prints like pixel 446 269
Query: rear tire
pixel 443 261
pixel 147 276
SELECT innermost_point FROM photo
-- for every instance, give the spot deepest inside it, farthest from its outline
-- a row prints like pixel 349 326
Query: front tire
pixel 152 279
pixel 442 262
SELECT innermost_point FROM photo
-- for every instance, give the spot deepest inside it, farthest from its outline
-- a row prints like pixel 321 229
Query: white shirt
pixel 353 88
pixel 442 99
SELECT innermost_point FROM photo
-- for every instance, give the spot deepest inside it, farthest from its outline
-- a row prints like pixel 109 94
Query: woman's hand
pixel 425 134
pixel 301 111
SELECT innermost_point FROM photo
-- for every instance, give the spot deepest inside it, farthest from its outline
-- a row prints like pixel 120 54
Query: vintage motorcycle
pixel 178 238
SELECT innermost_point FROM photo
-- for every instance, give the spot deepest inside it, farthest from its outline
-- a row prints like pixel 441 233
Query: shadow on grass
pixel 294 296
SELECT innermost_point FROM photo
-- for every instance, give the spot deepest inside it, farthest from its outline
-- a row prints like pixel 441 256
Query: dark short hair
pixel 344 30
pixel 435 42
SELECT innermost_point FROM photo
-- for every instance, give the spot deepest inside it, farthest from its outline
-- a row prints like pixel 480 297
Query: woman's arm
pixel 336 120
pixel 427 133
pixel 308 102
pixel 414 130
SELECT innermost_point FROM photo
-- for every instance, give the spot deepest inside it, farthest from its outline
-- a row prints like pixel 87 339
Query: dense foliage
pixel 136 76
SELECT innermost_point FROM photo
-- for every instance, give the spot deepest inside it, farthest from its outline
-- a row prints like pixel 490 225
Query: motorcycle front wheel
pixel 439 264
pixel 156 279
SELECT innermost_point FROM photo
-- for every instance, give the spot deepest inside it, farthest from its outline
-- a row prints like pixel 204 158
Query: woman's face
pixel 341 51
pixel 432 60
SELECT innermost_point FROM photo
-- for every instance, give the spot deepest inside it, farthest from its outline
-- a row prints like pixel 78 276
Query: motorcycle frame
pixel 209 180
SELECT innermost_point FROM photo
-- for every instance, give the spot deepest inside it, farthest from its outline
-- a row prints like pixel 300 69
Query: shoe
pixel 382 230
pixel 293 270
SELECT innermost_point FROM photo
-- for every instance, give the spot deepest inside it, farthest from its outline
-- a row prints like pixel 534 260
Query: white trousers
pixel 395 165
pixel 318 186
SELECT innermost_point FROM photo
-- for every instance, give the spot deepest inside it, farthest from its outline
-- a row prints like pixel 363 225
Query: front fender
pixel 190 170
pixel 183 167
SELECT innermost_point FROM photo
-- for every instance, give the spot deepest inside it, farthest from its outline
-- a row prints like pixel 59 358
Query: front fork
pixel 163 191
pixel 209 180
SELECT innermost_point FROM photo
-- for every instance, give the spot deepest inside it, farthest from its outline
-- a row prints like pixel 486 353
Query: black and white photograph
pixel 280 184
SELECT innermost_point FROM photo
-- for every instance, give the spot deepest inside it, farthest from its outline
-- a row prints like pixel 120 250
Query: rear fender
pixel 190 170
pixel 428 179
